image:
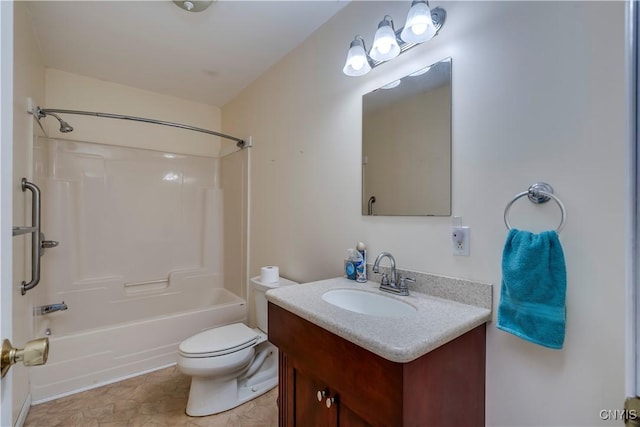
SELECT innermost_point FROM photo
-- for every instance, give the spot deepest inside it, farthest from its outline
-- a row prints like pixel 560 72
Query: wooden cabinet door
pixel 311 412
pixel 348 418
pixel 308 411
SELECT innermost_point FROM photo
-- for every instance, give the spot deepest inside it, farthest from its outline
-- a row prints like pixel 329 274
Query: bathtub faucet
pixel 49 308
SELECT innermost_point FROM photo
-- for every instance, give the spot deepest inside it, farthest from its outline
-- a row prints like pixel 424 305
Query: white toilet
pixel 231 364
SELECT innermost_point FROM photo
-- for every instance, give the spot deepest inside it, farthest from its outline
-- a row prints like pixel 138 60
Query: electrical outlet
pixel 460 240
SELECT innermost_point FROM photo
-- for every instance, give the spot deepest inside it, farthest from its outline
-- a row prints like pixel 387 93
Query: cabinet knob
pixel 320 395
pixel 329 402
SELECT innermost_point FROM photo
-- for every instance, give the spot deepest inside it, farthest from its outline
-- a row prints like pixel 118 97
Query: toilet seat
pixel 219 341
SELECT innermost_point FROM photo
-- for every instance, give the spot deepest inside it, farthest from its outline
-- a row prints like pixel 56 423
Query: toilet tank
pixel 260 301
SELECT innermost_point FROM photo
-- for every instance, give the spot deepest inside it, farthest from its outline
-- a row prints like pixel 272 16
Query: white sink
pixel 368 303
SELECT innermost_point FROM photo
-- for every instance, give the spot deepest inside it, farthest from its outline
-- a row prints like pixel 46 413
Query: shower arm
pixel 42 112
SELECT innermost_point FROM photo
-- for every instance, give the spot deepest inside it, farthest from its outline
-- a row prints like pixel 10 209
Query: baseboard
pixel 24 411
pixel 99 384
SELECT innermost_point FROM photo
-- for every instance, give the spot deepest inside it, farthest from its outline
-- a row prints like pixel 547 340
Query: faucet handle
pixel 404 280
pixel 385 278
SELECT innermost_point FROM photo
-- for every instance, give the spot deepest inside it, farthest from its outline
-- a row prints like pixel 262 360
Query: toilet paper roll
pixel 269 274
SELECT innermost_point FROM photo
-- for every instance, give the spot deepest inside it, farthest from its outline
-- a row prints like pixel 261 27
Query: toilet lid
pixel 220 340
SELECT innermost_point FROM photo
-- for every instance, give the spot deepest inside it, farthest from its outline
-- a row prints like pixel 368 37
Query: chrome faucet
pixel 391 284
pixel 385 277
pixel 49 308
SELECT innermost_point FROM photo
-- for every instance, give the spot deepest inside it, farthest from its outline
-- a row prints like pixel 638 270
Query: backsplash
pixel 460 290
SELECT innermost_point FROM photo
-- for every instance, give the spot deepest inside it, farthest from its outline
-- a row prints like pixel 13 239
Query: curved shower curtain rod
pixel 42 112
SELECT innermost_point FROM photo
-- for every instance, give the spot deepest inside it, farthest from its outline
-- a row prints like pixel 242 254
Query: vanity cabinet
pixel 316 404
pixel 444 387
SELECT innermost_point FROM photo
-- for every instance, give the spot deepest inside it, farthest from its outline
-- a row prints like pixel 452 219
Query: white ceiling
pixel 208 57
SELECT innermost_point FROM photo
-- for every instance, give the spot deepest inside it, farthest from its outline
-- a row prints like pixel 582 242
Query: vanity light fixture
pixel 357 61
pixel 420 72
pixel 419 26
pixel 422 24
pixel 385 42
pixel 391 85
pixel 193 5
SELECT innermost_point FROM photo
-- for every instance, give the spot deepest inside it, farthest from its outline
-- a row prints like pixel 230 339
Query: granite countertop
pixel 436 321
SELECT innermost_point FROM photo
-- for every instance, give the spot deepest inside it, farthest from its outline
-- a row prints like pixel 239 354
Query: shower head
pixel 40 113
pixel 64 126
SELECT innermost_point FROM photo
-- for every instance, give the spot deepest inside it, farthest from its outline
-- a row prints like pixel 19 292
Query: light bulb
pixel 418 29
pixel 419 26
pixel 193 5
pixel 357 63
pixel 385 45
pixel 391 85
pixel 420 71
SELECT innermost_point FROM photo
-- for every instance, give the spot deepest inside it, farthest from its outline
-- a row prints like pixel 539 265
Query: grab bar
pixel 20 230
pixel 36 239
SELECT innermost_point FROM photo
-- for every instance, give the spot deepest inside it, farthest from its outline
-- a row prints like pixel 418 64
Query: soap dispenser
pixel 361 264
pixel 350 264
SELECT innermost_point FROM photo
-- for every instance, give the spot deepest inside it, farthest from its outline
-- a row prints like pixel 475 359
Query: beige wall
pixel 74 92
pixel 537 95
pixel 233 181
pixel 29 77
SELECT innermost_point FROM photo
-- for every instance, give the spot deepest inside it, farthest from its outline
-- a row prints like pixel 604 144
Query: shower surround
pixel 140 260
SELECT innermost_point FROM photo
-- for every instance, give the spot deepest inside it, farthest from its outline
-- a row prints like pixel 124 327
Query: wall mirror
pixel 406 145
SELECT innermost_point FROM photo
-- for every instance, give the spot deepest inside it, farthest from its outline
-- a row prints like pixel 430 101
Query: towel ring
pixel 539 192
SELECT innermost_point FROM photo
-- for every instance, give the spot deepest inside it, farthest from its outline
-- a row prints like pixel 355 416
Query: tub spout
pixel 49 308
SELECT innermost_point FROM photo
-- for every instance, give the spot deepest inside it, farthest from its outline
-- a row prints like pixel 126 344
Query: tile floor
pixel 152 400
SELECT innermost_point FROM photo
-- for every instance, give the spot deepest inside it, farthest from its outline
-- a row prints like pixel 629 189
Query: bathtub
pixel 141 262
pixel 84 356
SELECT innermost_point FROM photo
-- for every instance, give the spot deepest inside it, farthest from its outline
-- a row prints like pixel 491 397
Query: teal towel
pixel 533 291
